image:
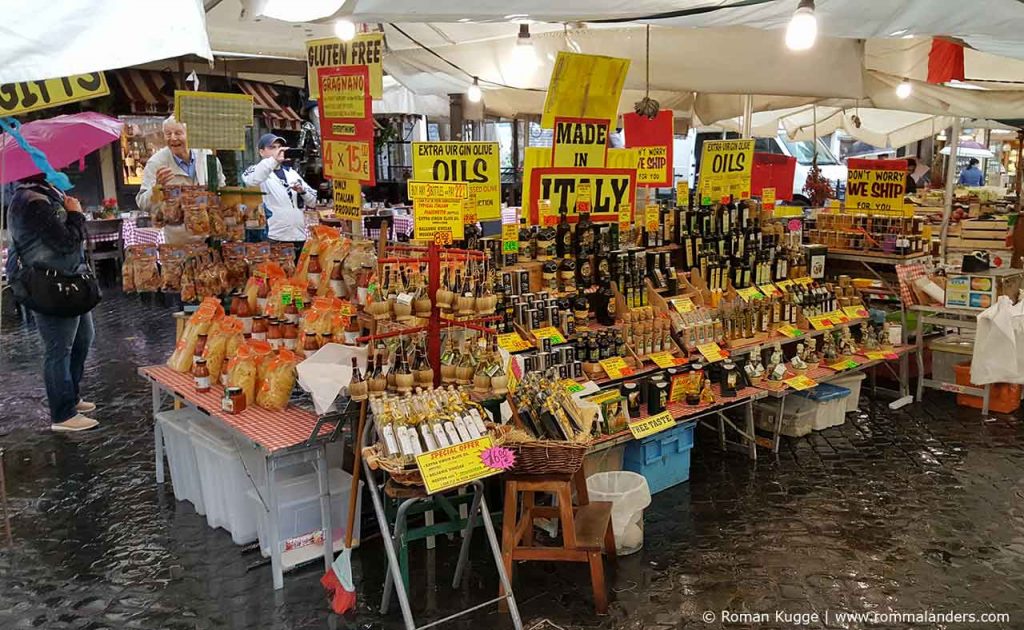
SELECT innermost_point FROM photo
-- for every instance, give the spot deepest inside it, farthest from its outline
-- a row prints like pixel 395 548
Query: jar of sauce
pixel 310 343
pixel 274 333
pixel 259 327
pixel 233 400
pixel 200 345
pixel 201 375
pixel 262 293
pixel 289 335
pixel 291 312
pixel 313 272
pixel 337 286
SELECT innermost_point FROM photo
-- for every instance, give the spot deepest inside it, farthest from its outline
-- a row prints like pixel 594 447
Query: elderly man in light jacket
pixel 174 165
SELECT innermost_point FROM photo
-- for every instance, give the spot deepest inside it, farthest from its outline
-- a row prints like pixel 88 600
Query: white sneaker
pixel 77 423
pixel 85 407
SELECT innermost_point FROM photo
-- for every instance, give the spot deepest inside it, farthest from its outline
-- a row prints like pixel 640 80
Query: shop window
pixel 141 137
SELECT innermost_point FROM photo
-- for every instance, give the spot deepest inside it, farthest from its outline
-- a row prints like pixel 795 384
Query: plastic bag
pixel 278 381
pixel 224 339
pixel 199 323
pixel 995 347
pixel 244 367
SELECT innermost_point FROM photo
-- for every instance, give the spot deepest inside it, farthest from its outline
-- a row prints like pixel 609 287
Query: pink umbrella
pixel 64 139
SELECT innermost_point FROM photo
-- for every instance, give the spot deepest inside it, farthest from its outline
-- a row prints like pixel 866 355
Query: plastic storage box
pixel 1002 397
pixel 794 423
pixel 828 402
pixel 663 459
pixel 224 480
pixel 299 511
pixel 851 382
pixel 181 457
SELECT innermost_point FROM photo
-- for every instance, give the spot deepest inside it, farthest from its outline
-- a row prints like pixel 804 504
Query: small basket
pixel 547 457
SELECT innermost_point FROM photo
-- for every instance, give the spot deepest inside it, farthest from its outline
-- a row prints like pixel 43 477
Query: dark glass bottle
pixel 563 235
pixel 593 351
pixel 604 305
pixel 580 308
pixel 604 346
pixel 584 272
pixel 567 274
pixel 584 241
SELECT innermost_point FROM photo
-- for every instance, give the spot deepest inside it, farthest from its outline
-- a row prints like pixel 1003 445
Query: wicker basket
pixel 547 457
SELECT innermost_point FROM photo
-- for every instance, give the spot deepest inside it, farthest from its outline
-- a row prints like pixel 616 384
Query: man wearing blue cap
pixel 282 188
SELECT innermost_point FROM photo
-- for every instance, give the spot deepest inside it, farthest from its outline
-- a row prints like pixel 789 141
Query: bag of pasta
pixel 257 288
pixel 172 264
pixel 235 264
pixel 332 256
pixel 128 272
pixel 244 367
pixel 145 272
pixel 197 220
pixel 198 324
pixel 218 229
pixel 172 212
pixel 277 383
pixel 223 341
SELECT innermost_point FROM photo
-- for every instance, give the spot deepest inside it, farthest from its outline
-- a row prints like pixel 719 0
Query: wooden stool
pixel 585 529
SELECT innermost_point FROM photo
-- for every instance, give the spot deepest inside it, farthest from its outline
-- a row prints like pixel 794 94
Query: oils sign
pixel 475 163
pixel 725 167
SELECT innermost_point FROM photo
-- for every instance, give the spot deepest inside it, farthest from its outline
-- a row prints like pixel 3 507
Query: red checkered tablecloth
pixel 403 226
pixel 273 430
pixel 134 235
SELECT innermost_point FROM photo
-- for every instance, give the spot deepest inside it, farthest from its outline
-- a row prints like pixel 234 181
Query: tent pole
pixel 1017 259
pixel 748 115
pixel 947 210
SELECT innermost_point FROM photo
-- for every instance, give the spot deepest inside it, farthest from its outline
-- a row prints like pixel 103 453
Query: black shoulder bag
pixel 54 292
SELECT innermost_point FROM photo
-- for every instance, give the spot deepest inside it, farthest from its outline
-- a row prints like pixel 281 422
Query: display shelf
pixel 873 257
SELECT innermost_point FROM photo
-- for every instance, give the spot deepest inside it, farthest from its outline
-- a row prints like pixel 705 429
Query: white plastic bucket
pixel 629 494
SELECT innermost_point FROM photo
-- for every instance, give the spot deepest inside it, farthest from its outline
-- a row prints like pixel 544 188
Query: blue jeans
pixel 66 342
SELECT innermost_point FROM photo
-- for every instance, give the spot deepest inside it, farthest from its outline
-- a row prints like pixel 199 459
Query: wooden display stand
pixel 586 528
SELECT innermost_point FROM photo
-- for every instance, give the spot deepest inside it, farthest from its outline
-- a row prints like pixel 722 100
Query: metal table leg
pixel 748 415
pixel 985 399
pixel 513 609
pixel 325 505
pixel 272 520
pixel 158 433
pixel 400 523
pixel 467 535
pixel 777 438
pixel 919 344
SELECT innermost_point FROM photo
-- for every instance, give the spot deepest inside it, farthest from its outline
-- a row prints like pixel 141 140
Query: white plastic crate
pixel 224 481
pixel 851 382
pixel 181 456
pixel 794 423
pixel 298 501
pixel 828 402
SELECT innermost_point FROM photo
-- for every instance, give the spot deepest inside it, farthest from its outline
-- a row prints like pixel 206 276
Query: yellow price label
pixel 456 465
pixel 856 312
pixel 510 238
pixel 784 284
pixel 652 218
pixel 616 367
pixel 682 305
pixel 512 342
pixel 645 427
pixel 547 214
pixel 780 212
pixel 571 386
pixel 821 322
pixel 790 331
pixel 584 192
pixel 625 216
pixel 711 351
pixel 549 332
pixel 666 359
pixel 768 197
pixel 805 281
pixel 847 364
pixel 682 192
pixel 881 355
pixel 769 290
pixel 749 294
pixel 800 383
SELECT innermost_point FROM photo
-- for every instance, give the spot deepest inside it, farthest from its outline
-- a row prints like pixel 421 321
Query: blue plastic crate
pixel 663 459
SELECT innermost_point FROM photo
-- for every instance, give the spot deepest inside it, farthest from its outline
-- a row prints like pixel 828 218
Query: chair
pixel 106 241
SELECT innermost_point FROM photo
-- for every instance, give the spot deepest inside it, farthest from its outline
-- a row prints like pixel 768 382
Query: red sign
pixel 610 188
pixel 653 137
pixel 346 123
pixel 773 171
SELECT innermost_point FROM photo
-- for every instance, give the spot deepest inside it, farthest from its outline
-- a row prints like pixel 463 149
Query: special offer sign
pixel 652 138
pixel 346 122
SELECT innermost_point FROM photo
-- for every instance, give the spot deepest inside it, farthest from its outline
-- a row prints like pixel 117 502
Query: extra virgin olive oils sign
pixel 475 163
pixel 610 188
pixel 725 167
pixel 30 96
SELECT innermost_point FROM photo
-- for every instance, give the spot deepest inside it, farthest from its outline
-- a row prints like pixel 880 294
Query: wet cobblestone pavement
pixel 905 511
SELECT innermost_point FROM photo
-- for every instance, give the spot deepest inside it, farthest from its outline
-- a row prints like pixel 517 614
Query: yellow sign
pixel 725 167
pixel 711 351
pixel 790 331
pixel 623 158
pixel 769 290
pixel 805 281
pixel 547 215
pixel 584 192
pixel 749 293
pixel 30 96
pixel 571 386
pixel 682 192
pixel 367 49
pixel 456 465
pixel 469 216
pixel 847 364
pixel 682 305
pixel 784 284
pixel 800 383
pixel 437 190
pixel 348 199
pixel 881 355
pixel 549 332
pixel 650 165
pixel 652 218
pixel 584 86
pixel 856 312
pixel 348 160
pixel 666 359
pixel 215 120
pixel 579 143
pixel 512 342
pixel 787 211
pixel 344 96
pixel 767 197
pixel 433 216
pixel 608 190
pixel 821 322
pixel 510 238
pixel 615 367
pixel 649 426
pixel 625 216
pixel 876 192
pixel 475 163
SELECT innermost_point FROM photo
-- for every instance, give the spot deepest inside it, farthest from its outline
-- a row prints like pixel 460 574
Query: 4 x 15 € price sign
pixel 350 160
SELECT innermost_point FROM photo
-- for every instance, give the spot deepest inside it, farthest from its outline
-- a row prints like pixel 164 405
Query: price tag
pixel 800 383
pixel 456 465
pixel 682 305
pixel 546 214
pixel 510 238
pixel 790 331
pixel 839 317
pixel 881 355
pixel 512 342
pixel 805 281
pixel 784 284
pixel 682 192
pixel 584 192
pixel 856 312
pixel 572 386
pixel 711 351
pixel 442 238
pixel 616 367
pixel 652 218
pixel 549 332
pixel 768 197
pixel 847 364
pixel 820 322
pixel 769 290
pixel 666 360
pixel 749 294
pixel 625 216
pixel 649 426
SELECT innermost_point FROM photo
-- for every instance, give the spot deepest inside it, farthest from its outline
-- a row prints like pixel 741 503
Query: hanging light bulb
pixel 904 89
pixel 803 27
pixel 345 30
pixel 524 55
pixel 474 93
